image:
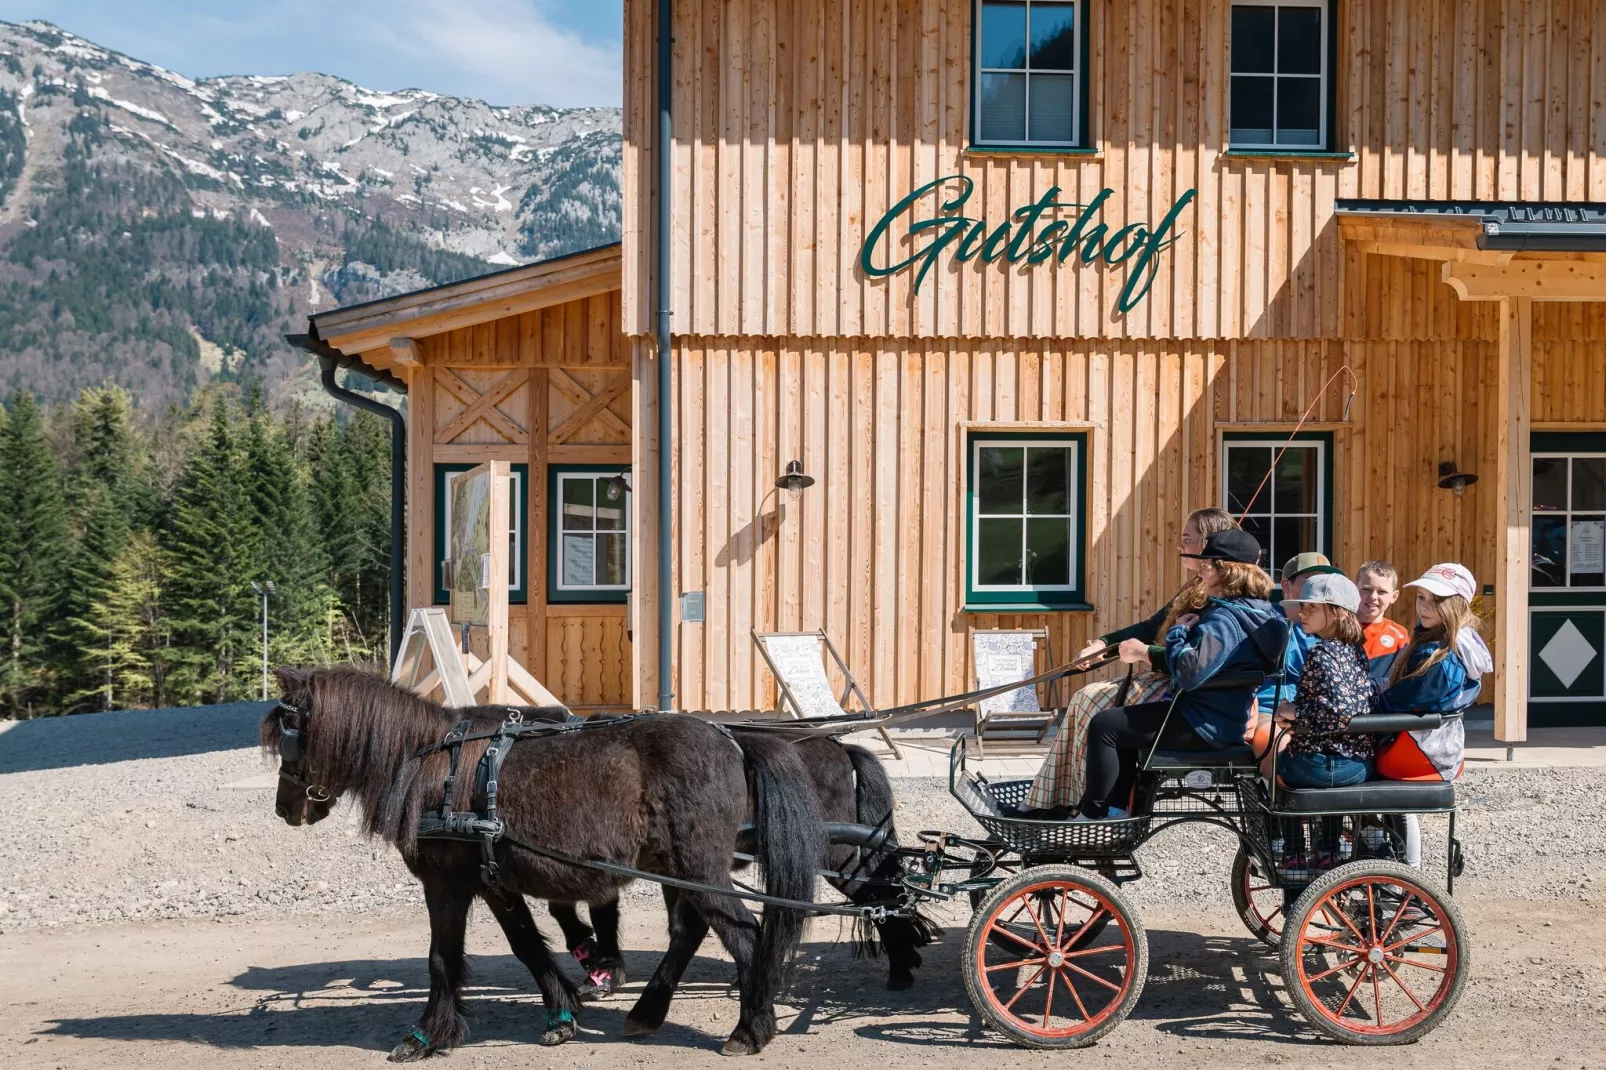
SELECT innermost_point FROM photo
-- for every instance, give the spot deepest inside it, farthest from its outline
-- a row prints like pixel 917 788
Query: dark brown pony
pixel 850 785
pixel 664 793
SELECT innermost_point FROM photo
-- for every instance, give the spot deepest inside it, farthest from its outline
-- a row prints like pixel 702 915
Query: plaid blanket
pixel 1063 777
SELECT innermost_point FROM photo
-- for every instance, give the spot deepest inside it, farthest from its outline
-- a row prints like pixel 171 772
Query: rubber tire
pixel 1137 967
pixel 1240 899
pixel 1456 929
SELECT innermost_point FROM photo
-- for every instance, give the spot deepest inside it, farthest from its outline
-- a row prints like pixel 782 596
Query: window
pixel 1026 530
pixel 1293 511
pixel 1030 60
pixel 590 557
pixel 1279 77
pixel 519 503
pixel 1569 520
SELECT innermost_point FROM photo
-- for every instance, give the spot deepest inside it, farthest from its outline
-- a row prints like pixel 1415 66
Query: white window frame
pixel 559 531
pixel 515 571
pixel 1077 75
pixel 1321 111
pixel 1266 495
pixel 1567 515
pixel 1072 518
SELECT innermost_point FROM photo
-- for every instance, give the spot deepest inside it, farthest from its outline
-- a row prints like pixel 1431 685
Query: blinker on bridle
pixel 292 751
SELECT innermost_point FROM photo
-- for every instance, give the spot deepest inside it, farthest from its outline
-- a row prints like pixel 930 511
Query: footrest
pixel 1228 757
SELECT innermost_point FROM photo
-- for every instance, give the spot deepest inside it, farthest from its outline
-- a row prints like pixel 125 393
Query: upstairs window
pixel 1030 62
pixel 1279 76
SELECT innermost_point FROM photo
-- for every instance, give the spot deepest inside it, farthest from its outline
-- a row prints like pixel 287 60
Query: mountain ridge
pixel 161 231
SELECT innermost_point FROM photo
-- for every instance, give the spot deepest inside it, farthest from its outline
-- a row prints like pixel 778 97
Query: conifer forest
pixel 130 542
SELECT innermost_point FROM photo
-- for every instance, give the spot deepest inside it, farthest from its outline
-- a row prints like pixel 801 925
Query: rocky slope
pixel 158 230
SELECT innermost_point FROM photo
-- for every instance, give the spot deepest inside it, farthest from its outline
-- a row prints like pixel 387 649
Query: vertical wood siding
pixel 798 123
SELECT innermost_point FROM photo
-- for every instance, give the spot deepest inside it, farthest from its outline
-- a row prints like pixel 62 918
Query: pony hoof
pixel 559 1028
pixel 414 1046
pixel 739 1046
pixel 601 982
pixel 900 982
pixel 634 1027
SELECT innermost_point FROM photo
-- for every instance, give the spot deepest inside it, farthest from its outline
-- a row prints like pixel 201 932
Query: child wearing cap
pixel 1379 584
pixel 1335 686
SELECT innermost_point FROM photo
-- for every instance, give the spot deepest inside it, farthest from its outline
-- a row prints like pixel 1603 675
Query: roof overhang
pixel 1489 251
pixel 372 325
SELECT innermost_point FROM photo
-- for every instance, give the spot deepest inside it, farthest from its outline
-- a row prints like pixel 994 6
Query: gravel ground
pixel 126 817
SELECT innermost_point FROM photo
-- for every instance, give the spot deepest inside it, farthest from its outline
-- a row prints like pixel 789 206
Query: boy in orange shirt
pixel 1379 584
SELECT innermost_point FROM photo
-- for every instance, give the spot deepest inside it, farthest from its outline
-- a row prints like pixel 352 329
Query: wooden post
pixel 1513 504
pixel 496 625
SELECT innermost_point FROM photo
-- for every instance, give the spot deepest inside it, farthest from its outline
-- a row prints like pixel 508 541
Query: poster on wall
pixel 1587 538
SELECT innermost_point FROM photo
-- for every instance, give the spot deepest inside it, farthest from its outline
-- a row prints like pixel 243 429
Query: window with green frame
pixel 519 506
pixel 589 556
pixel 1293 512
pixel 1026 532
pixel 1030 62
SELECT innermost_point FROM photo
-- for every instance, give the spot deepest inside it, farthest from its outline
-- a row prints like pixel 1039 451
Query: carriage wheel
pixel 1374 953
pixel 1259 904
pixel 1033 972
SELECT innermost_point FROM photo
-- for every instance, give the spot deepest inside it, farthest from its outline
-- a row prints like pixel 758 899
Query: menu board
pixel 1586 538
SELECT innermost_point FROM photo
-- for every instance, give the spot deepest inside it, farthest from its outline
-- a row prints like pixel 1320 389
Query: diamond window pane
pixel 1294 486
pixel 1048 552
pixel 1549 552
pixel 1003 107
pixel 1299 111
pixel 998 553
pixel 577 505
pixel 1048 481
pixel 1589 482
pixel 1299 40
pixel 1550 484
pixel 1246 467
pixel 578 568
pixel 1253 33
pixel 1250 110
pixel 998 480
pixel 1003 35
pixel 1052 113
pixel 1053 29
pixel 610 562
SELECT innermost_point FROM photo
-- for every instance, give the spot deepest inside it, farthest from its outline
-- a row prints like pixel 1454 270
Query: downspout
pixel 330 358
pixel 666 609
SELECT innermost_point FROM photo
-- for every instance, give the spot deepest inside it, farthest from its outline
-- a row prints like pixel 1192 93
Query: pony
pixel 850 785
pixel 664 793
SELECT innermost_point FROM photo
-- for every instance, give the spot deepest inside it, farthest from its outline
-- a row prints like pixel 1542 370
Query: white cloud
pixel 510 47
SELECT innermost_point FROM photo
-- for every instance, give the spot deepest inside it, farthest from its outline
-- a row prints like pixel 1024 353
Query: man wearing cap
pixel 1295 571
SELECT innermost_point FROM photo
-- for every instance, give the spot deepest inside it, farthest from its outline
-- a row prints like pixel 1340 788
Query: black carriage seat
pixel 1377 796
pixel 1237 757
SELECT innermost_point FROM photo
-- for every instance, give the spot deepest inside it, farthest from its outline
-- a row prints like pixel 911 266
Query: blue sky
pixel 559 52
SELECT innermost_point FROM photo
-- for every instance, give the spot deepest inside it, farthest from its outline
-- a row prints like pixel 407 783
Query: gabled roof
pixel 372 324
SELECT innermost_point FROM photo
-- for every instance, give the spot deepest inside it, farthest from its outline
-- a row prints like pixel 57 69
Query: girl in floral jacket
pixel 1336 685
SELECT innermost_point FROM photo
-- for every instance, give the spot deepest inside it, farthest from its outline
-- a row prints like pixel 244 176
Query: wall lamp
pixel 617 488
pixel 793 481
pixel 1450 479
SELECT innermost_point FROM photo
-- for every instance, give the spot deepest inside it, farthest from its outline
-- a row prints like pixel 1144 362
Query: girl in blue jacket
pixel 1237 630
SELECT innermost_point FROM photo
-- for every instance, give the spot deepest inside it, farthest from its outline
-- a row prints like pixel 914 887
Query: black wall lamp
pixel 1450 479
pixel 617 488
pixel 793 481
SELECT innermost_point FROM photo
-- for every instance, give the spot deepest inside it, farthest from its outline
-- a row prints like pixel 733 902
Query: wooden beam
pixel 1513 503
pixel 483 406
pixel 1435 252
pixel 404 353
pixel 1541 280
pixel 590 410
pixel 580 395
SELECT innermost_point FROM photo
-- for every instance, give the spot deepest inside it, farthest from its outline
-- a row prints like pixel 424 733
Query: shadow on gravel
pixel 127 735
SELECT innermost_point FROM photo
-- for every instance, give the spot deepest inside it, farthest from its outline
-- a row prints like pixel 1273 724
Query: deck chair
pixel 999 657
pixel 798 661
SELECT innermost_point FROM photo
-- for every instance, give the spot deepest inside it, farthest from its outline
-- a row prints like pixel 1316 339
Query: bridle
pixel 292 750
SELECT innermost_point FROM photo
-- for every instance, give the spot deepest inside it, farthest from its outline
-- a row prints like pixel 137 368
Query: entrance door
pixel 1567 581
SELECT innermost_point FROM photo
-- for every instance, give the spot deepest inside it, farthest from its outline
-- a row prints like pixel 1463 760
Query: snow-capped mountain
pixel 254 199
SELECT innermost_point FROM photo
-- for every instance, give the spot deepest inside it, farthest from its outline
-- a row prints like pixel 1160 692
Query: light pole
pixel 265 588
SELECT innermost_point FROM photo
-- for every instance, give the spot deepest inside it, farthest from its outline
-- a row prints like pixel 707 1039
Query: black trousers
pixel 1116 741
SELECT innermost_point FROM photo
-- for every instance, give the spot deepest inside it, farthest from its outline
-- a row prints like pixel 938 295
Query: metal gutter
pixel 1538 226
pixel 666 608
pixel 329 359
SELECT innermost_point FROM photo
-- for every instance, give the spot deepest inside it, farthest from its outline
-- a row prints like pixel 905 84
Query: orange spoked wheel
pixel 1259 904
pixel 1055 958
pixel 1374 953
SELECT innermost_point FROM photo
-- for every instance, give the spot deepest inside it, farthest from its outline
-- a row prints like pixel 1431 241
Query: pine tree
pixel 208 599
pixel 35 549
pixel 127 637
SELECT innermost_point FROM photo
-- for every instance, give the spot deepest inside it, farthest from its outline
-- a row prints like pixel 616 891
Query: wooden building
pixel 936 250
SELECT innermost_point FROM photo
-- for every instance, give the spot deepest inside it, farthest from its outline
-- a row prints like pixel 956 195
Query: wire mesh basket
pixel 985 800
pixel 1300 849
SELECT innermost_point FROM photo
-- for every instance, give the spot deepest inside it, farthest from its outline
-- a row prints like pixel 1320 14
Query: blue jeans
pixel 1321 770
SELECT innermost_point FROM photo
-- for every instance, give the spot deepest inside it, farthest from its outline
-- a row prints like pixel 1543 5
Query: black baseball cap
pixel 1234 544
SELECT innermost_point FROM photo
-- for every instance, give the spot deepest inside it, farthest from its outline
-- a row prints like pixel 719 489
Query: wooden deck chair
pixel 999 657
pixel 798 661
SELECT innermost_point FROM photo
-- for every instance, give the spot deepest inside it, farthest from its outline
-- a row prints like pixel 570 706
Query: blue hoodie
pixel 1447 686
pixel 1300 644
pixel 1232 635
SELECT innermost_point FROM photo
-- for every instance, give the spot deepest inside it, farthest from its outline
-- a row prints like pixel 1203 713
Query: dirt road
pixel 300 992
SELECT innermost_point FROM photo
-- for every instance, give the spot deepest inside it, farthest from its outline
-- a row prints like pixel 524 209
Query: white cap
pixel 1447 579
pixel 1328 590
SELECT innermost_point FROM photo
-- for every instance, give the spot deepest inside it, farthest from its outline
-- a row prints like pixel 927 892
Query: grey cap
pixel 1329 590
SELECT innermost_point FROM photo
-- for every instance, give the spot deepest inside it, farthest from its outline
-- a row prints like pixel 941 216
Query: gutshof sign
pixel 1030 235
